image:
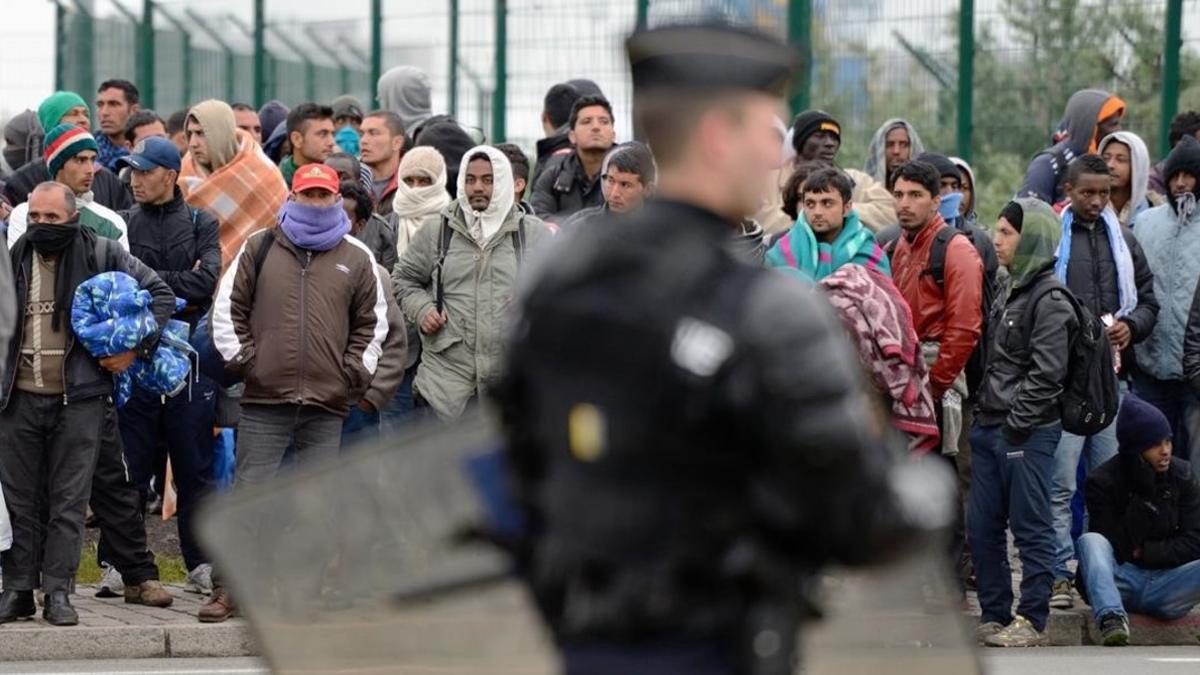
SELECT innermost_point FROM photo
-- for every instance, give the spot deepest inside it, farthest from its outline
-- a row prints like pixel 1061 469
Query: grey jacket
pixel 1027 364
pixel 1173 253
pixel 479 283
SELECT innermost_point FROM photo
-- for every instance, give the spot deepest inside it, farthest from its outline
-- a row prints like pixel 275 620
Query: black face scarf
pixel 76 250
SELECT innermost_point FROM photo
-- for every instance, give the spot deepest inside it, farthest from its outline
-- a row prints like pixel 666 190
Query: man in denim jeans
pixel 1103 265
pixel 1143 551
pixel 1017 428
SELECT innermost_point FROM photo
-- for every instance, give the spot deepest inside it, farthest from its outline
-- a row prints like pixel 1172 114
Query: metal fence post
pixel 145 67
pixel 1172 45
pixel 60 41
pixel 260 54
pixel 452 82
pixel 185 43
pixel 376 46
pixel 500 93
pixel 800 37
pixel 85 55
pixel 230 59
pixel 966 76
pixel 643 14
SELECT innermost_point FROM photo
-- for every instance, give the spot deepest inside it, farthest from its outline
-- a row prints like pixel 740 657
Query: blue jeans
pixel 359 427
pixel 1010 488
pixel 1163 594
pixel 1176 400
pixel 401 405
pixel 1099 448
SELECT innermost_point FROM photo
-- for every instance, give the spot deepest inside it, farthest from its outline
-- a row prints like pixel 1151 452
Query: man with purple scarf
pixel 287 292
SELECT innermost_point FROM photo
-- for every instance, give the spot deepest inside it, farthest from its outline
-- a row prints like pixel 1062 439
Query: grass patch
pixel 171 569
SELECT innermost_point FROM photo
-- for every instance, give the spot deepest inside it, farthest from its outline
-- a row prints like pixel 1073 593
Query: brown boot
pixel 148 593
pixel 218 608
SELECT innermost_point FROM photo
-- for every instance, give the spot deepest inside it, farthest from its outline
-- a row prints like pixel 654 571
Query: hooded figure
pixel 271 115
pixel 483 224
pixel 412 205
pixel 406 91
pixel 1041 232
pixel 1139 172
pixel 1079 133
pixel 22 140
pixel 220 127
pixel 876 164
pixel 967 175
pixel 448 138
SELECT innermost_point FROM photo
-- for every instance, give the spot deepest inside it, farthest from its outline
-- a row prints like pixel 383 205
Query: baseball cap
pixel 312 176
pixel 153 152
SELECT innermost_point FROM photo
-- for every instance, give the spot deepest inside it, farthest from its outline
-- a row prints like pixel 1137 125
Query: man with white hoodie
pixel 457 279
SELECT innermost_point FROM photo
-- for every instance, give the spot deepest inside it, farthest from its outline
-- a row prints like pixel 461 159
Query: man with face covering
pixel 457 279
pixel 1017 428
pixel 300 314
pixel 55 400
pixel 1091 115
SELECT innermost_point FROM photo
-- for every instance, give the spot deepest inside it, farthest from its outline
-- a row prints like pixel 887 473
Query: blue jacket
pixel 1173 253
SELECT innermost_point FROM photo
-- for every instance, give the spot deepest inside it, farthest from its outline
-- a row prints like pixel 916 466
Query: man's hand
pixel 365 406
pixel 1120 334
pixel 118 362
pixel 433 321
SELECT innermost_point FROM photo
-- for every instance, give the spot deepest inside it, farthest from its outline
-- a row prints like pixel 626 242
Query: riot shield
pixel 373 565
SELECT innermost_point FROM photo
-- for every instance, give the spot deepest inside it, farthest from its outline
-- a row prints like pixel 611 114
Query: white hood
pixel 502 191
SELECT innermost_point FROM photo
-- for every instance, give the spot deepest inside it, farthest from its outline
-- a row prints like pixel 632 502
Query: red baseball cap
pixel 312 176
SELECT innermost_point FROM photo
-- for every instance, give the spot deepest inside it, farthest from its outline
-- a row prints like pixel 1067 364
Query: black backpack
pixel 1090 398
pixel 991 287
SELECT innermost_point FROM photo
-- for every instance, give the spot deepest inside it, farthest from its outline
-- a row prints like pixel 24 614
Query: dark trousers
pixel 648 659
pixel 185 423
pixel 119 510
pixel 47 455
pixel 1010 489
pixel 1175 400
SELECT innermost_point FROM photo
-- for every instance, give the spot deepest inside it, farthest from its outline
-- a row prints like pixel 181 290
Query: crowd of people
pixel 344 271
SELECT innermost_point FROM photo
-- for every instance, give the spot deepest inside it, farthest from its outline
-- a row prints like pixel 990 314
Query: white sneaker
pixel 111 585
pixel 199 580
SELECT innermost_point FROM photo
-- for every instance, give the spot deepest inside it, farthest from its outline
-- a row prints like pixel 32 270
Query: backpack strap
pixel 444 236
pixel 937 254
pixel 518 239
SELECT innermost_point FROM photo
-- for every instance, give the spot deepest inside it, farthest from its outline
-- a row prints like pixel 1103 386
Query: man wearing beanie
pixel 303 369
pixel 1142 549
pixel 816 137
pixel 70 158
pixel 66 107
pixel 1170 238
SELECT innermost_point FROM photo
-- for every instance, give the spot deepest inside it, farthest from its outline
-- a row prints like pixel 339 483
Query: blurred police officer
pixel 687 434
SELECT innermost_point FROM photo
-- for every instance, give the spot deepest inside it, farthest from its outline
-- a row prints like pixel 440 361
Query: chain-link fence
pixel 871 60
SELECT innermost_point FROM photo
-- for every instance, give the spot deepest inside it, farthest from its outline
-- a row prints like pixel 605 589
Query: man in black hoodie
pixel 1142 551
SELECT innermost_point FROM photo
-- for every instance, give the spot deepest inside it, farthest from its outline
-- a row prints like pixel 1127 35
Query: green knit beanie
pixel 51 111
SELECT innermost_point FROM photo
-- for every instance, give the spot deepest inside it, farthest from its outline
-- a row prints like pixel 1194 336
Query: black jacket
pixel 1191 345
pixel 704 440
pixel 82 374
pixel 379 234
pixel 171 239
pixel 107 189
pixel 563 189
pixel 551 146
pixel 1133 507
pixel 1092 278
pixel 1026 361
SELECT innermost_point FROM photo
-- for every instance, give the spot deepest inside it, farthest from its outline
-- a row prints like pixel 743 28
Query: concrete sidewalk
pixel 110 629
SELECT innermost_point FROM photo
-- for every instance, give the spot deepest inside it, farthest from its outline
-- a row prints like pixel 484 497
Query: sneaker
pixel 199 580
pixel 1019 633
pixel 111 584
pixel 1114 629
pixel 1060 595
pixel 986 630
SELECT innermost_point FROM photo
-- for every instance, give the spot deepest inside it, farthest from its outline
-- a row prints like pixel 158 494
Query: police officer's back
pixel 687 433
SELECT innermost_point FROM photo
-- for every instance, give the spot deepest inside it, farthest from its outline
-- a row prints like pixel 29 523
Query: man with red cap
pixel 286 290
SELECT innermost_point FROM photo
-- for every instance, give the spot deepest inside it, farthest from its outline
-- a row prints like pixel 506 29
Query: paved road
pixel 140 667
pixel 1094 661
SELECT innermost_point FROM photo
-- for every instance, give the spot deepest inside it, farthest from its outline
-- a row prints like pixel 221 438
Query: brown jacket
pixel 392 364
pixel 319 317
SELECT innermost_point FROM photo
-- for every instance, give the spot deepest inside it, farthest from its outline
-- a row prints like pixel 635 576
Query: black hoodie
pixel 1134 507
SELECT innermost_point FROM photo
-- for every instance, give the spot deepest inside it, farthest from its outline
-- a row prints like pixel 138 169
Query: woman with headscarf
pixel 1017 427
pixel 1129 162
pixel 420 192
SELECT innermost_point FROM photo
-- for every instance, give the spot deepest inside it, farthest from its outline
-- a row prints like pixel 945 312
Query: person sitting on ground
pixel 827 233
pixel 1142 549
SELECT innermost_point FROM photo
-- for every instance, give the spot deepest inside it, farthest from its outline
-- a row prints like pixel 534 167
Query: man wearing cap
pixel 70 155
pixel 648 372
pixel 66 107
pixel 56 403
pixel 179 243
pixel 301 315
pixel 816 137
pixel 1142 549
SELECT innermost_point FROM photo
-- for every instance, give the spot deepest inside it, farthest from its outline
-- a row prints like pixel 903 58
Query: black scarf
pixel 76 249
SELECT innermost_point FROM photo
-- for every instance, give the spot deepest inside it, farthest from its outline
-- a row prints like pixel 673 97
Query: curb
pixel 1076 628
pixel 42 643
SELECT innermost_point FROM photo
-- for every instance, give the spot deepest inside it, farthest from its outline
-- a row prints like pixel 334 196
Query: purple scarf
pixel 316 228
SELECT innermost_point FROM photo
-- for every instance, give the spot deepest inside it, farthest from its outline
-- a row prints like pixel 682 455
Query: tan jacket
pixel 309 329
